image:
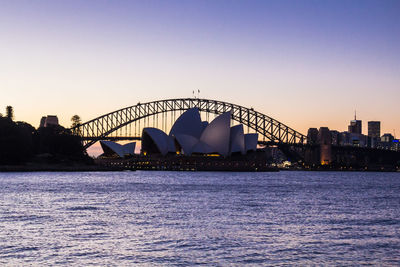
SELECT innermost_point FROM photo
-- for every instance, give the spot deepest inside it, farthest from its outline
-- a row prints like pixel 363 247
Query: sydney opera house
pixel 112 149
pixel 191 136
pixel 191 144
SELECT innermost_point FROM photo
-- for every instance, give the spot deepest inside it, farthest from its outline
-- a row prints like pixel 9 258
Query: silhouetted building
pixel 42 121
pixel 312 136
pixel 387 141
pixel 387 137
pixel 355 126
pixel 396 144
pixel 359 140
pixel 374 133
pixel 325 142
pixel 374 129
pixel 49 120
pixel 335 135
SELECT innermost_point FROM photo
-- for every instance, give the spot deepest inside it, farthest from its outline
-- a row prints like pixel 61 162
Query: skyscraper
pixel 374 129
pixel 325 143
pixel 355 125
pixel 312 136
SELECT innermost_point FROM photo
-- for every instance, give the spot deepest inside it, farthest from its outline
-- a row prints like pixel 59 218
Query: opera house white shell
pixel 215 137
pixel 110 148
pixel 250 141
pixel 191 135
pixel 189 123
pixel 237 141
pixel 153 136
pixel 186 142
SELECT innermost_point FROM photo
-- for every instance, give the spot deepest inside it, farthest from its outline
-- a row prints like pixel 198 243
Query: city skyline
pixel 304 63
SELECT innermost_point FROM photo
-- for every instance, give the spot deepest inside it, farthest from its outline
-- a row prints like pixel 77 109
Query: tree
pixel 20 142
pixel 76 120
pixel 60 143
pixel 16 141
pixel 10 112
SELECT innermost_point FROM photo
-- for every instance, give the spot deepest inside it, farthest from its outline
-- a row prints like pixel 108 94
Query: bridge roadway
pixel 138 138
pixel 112 138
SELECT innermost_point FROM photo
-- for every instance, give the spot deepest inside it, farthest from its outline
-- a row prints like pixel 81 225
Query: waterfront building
pixel 355 126
pixel 345 139
pixel 374 129
pixel 42 121
pixel 312 136
pixel 359 140
pixel 387 141
pixel 387 137
pixel 325 142
pixel 237 141
pixel 155 141
pixel 112 149
pixel 396 144
pixel 48 120
pixel 374 133
pixel 335 137
pixel 189 135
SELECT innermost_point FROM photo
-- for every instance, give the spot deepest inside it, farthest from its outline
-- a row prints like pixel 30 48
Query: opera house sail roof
pixel 189 123
pixel 154 140
pixel 215 137
pixel 111 148
pixel 250 141
pixel 237 141
pixel 190 135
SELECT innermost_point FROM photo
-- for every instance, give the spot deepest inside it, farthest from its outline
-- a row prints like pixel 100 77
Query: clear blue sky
pixel 305 63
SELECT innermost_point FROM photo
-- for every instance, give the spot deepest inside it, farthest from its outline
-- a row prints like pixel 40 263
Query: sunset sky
pixel 305 63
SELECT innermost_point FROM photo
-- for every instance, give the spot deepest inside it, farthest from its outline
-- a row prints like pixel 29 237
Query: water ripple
pixel 185 219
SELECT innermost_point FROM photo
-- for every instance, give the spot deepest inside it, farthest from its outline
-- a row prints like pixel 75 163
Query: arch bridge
pixel 107 126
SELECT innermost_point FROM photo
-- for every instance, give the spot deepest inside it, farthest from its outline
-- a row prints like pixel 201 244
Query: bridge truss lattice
pixel 268 128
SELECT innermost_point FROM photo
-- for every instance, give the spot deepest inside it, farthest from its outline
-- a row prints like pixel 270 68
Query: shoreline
pixel 57 168
pixel 107 168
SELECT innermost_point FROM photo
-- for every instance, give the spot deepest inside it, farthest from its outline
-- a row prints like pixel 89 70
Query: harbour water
pixel 208 218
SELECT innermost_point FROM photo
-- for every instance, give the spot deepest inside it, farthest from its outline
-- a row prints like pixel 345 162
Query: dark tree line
pixel 20 142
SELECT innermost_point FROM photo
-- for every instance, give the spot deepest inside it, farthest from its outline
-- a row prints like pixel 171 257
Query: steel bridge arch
pixel 273 130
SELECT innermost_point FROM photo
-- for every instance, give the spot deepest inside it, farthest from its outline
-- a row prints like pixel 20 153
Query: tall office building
pixel 325 144
pixel 374 129
pixel 355 125
pixel 312 136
